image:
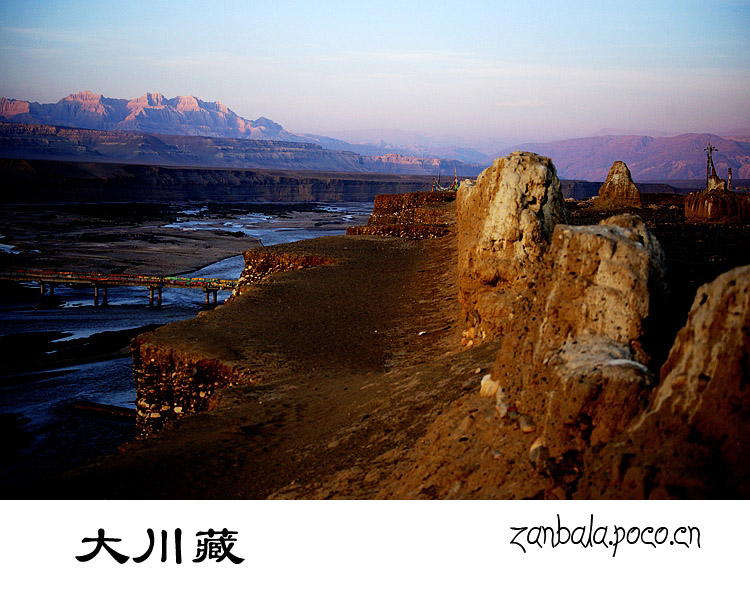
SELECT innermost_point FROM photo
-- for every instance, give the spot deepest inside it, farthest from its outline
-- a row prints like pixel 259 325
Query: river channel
pixel 42 434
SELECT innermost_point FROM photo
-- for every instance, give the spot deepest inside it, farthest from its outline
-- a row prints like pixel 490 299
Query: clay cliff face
pixel 693 440
pixel 574 356
pixel 569 304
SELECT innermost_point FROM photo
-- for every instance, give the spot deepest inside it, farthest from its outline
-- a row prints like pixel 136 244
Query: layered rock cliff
pixel 48 142
pixel 41 181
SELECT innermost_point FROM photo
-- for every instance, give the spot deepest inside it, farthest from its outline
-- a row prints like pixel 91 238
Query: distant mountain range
pixel 680 157
pixel 155 123
pixel 151 113
pixel 153 129
pixel 50 142
pixel 186 115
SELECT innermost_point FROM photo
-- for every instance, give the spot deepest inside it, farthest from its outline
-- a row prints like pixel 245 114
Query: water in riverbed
pixel 40 432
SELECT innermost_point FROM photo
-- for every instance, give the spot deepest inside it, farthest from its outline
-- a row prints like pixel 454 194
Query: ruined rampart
pixel 173 382
pixel 417 215
pixel 580 407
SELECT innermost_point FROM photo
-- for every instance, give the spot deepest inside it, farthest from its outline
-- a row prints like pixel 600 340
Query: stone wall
pixel 576 314
pixel 574 355
pixel 417 215
pixel 570 305
pixel 693 440
pixel 505 221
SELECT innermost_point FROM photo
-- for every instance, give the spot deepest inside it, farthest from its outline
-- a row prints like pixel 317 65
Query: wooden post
pixel 41 288
pixel 51 290
pixel 216 301
pixel 150 296
pixel 207 301
pixel 158 300
pixel 96 295
pixel 709 161
pixel 104 296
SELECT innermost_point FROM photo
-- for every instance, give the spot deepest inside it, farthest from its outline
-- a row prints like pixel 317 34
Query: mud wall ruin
pixel 416 215
pixel 575 310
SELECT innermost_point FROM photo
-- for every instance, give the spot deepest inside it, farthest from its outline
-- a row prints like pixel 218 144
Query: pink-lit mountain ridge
pixel 650 158
pixel 190 116
pixel 151 113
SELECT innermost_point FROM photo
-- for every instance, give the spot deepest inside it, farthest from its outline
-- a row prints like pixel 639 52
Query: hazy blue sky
pixel 520 70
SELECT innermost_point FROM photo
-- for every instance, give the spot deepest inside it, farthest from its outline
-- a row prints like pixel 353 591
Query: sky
pixel 528 70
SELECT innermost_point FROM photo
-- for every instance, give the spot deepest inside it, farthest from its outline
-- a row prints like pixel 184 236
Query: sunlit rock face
pixel 571 304
pixel 505 221
pixel 575 350
pixel 151 112
pixel 693 440
pixel 618 190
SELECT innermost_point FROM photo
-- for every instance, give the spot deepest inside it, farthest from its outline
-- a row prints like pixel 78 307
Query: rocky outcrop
pixel 694 438
pixel 717 206
pixel 618 190
pixel 418 215
pixel 574 371
pixel 505 221
pixel 604 280
pixel 10 108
